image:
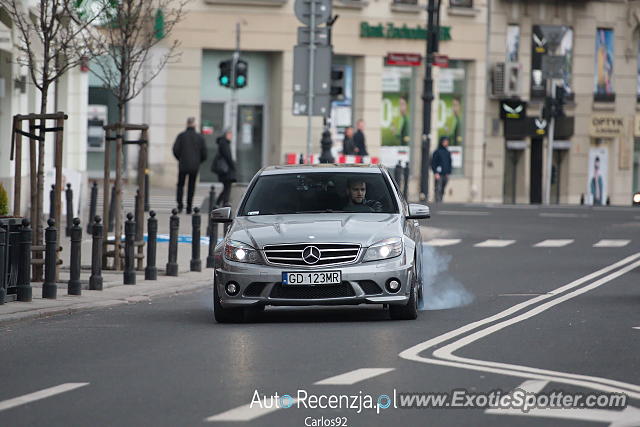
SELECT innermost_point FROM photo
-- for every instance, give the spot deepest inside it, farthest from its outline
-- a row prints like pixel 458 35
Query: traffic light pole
pixel 312 52
pixel 550 136
pixel 427 96
pixel 234 95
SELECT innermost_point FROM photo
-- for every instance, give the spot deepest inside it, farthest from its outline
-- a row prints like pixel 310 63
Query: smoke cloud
pixel 439 289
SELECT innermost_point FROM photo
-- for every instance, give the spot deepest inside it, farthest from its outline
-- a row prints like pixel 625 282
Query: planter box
pixel 9 256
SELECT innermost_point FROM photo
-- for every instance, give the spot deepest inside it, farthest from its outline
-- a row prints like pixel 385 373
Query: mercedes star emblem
pixel 311 254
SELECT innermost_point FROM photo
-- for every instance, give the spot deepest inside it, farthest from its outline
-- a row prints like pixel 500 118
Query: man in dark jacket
pixel 347 142
pixel 228 176
pixel 359 140
pixel 441 166
pixel 190 150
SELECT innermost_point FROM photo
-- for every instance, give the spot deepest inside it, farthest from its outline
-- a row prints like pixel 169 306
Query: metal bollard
pixel 49 287
pixel 174 225
pixel 93 203
pixel 52 201
pixel 24 291
pixel 196 262
pixel 138 219
pixel 151 271
pixel 129 241
pixel 212 206
pixel 213 240
pixel 74 287
pixel 112 209
pixel 95 280
pixel 397 174
pixel 146 191
pixel 69 198
pixel 405 181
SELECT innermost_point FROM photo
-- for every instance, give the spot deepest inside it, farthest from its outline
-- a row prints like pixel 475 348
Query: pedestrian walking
pixel 190 150
pixel 348 147
pixel 441 166
pixel 224 166
pixel 359 141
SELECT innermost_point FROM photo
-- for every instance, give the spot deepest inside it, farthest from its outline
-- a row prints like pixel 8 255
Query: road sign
pixel 321 38
pixel 553 66
pixel 322 70
pixel 321 104
pixel 302 9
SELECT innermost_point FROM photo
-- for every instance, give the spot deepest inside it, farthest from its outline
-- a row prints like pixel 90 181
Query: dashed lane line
pixel 494 243
pixel 39 395
pixel 553 243
pixel 356 376
pixel 612 243
pixel 443 242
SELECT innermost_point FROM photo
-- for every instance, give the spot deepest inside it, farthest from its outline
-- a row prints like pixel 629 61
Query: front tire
pixel 225 315
pixel 410 310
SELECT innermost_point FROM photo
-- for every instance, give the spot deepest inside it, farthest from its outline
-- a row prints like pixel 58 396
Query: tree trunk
pixel 118 184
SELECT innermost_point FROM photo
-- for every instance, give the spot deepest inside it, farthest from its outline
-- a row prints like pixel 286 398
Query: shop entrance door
pixel 511 175
pixel 211 126
pixel 535 177
pixel 556 174
pixel 249 141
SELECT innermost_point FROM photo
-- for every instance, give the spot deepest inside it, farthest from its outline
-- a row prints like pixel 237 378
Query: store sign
pixel 404 59
pixel 390 31
pixel 606 126
pixel 513 109
pixel 540 126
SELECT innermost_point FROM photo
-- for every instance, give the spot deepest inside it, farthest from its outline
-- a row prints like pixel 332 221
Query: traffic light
pixel 225 73
pixel 337 84
pixel 241 73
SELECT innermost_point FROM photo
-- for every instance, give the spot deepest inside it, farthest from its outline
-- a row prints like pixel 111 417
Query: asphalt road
pixel 561 317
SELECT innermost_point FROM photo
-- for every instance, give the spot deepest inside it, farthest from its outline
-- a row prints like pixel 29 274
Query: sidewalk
pixel 114 293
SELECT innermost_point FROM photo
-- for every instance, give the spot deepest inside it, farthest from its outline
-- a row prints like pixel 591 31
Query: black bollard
pixel 52 201
pixel 405 181
pixel 93 202
pixel 325 144
pixel 95 280
pixel 138 215
pixel 129 242
pixel 301 159
pixel 151 271
pixel 212 206
pixel 397 174
pixel 213 240
pixel 174 225
pixel 196 262
pixel 49 287
pixel 146 191
pixel 24 291
pixel 74 287
pixel 112 209
pixel 69 198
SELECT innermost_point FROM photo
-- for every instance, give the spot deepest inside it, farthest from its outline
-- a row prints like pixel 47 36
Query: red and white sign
pixel 405 59
pixel 441 61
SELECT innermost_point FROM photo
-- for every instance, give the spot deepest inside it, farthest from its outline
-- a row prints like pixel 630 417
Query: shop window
pixel 451 111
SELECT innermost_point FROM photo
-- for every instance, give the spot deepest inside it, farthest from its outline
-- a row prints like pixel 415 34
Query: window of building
pixel 513 42
pixel 539 49
pixel 604 61
pixel 461 3
pixel 451 110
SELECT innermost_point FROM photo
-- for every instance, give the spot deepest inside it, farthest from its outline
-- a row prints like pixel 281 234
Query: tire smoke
pixel 439 289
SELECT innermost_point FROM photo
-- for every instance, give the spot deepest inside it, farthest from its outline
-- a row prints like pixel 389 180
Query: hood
pixel 362 228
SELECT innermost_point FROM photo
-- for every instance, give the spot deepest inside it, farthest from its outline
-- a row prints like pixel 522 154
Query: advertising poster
pixel 604 62
pixel 395 124
pixel 513 42
pixel 598 172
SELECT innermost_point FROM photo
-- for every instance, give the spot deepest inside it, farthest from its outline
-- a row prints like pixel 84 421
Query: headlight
pixel 384 249
pixel 636 199
pixel 241 252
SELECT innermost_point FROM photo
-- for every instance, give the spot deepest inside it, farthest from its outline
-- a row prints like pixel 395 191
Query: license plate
pixel 312 278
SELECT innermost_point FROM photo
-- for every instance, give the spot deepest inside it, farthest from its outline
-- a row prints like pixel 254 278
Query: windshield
pixel 319 192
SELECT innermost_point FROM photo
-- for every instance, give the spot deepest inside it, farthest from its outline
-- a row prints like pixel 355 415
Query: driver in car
pixel 356 191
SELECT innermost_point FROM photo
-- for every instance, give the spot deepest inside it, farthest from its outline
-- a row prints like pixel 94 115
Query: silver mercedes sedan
pixel 319 235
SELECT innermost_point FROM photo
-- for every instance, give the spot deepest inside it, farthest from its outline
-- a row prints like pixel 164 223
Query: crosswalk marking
pixel 443 242
pixel 38 395
pixel 352 377
pixel 246 412
pixel 553 243
pixel 611 243
pixel 494 243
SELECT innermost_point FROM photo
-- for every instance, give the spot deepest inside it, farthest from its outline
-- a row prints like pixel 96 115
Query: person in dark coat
pixel 190 150
pixel 441 166
pixel 226 178
pixel 347 143
pixel 359 142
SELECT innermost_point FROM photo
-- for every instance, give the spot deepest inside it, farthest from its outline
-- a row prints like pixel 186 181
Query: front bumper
pixel 362 283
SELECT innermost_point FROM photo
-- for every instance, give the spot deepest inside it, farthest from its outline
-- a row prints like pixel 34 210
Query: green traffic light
pixel 240 80
pixel 224 81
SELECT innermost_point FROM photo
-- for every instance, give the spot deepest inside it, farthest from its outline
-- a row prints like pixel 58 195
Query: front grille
pixel 330 254
pixel 254 289
pixel 344 289
pixel 370 287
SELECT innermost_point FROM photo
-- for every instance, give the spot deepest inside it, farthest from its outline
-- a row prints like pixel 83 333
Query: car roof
pixel 321 167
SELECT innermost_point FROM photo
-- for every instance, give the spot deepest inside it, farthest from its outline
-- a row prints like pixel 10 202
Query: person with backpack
pixel 224 166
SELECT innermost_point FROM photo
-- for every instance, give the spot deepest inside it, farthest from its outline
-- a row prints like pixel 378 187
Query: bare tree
pixel 129 33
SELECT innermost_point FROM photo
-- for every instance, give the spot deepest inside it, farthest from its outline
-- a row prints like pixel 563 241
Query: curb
pixel 115 301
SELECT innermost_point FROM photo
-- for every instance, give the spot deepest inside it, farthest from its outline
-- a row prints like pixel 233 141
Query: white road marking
pixel 244 413
pixel 494 243
pixel 444 356
pixel 463 213
pixel 353 377
pixel 443 242
pixel 38 395
pixel 553 243
pixel 627 417
pixel 562 215
pixel 611 243
pixel 636 327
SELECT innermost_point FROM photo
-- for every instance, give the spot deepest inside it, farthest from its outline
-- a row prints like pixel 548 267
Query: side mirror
pixel 221 215
pixel 417 211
